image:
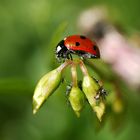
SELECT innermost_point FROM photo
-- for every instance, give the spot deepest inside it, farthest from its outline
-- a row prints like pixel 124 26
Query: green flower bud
pixel 91 88
pixel 45 87
pixel 99 109
pixel 77 100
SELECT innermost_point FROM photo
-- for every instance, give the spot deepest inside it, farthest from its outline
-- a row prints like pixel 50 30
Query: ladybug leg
pixel 68 55
pixel 58 58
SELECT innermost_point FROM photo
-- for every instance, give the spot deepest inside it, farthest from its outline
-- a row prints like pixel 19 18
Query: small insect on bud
pixel 101 94
pixel 45 87
pixel 91 89
pixel 77 100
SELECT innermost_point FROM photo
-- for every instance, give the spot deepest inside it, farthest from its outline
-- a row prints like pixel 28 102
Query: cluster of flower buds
pixel 89 89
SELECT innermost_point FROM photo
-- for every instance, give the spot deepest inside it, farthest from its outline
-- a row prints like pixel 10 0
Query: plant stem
pixel 64 65
pixel 83 68
pixel 74 74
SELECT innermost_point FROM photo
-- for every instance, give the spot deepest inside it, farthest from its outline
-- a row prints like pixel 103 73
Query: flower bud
pixel 45 87
pixel 77 100
pixel 99 109
pixel 91 88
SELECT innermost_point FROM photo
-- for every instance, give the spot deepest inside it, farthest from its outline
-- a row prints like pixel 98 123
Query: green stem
pixel 74 74
pixel 83 68
pixel 64 65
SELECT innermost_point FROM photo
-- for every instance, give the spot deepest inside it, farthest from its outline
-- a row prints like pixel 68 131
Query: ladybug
pixel 78 45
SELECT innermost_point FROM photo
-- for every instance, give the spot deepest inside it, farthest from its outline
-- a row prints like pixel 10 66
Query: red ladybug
pixel 79 45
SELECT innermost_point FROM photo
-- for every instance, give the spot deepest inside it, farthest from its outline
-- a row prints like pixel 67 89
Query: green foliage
pixel 29 30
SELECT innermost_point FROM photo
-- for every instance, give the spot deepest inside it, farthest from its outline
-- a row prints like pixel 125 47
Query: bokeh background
pixel 29 32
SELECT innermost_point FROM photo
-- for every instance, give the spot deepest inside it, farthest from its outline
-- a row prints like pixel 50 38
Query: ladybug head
pixel 61 51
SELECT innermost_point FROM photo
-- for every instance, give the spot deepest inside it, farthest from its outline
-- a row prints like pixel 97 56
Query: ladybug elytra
pixel 79 45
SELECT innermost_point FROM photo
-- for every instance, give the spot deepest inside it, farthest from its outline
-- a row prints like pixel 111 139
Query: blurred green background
pixel 29 32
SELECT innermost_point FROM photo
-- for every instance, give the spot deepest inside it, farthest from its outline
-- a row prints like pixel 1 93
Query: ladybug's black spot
pixel 82 37
pixel 77 43
pixel 95 47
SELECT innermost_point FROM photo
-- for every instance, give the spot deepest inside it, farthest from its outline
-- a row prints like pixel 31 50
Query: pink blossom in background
pixel 123 55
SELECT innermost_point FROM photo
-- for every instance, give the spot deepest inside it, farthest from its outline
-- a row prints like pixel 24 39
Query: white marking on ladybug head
pixel 58 49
